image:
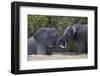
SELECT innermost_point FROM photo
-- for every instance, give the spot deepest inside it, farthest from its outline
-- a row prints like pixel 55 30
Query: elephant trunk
pixel 61 42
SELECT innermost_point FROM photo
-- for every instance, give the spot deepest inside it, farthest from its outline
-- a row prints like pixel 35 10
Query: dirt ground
pixel 55 57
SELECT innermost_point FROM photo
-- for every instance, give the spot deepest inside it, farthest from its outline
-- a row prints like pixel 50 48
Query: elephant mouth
pixel 63 46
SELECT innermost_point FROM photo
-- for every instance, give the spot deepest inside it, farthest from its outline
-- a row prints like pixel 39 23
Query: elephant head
pixel 69 33
pixel 47 36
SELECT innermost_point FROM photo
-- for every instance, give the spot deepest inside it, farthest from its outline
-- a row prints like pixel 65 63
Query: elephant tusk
pixel 62 46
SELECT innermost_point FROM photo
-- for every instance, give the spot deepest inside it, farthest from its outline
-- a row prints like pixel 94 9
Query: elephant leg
pixel 81 47
pixel 86 48
pixel 30 52
pixel 49 51
pixel 41 50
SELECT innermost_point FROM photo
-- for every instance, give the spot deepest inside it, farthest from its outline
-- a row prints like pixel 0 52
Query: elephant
pixel 77 32
pixel 43 41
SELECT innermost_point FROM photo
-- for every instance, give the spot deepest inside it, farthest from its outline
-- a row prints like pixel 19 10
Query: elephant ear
pixel 40 35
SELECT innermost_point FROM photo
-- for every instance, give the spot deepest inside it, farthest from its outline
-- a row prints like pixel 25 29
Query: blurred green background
pixel 59 22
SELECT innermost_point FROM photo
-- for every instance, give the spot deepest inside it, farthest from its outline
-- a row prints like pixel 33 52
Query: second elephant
pixel 77 32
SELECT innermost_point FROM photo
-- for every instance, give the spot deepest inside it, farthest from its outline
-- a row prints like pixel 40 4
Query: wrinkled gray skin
pixel 78 33
pixel 43 41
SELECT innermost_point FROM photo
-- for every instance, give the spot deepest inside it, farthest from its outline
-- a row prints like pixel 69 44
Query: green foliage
pixel 59 22
pixel 72 46
pixel 36 22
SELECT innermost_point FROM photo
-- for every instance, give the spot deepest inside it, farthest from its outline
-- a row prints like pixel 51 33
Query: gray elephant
pixel 77 32
pixel 42 42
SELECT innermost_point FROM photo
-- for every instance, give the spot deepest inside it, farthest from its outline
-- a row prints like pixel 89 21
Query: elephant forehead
pixel 53 34
pixel 43 36
pixel 66 30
